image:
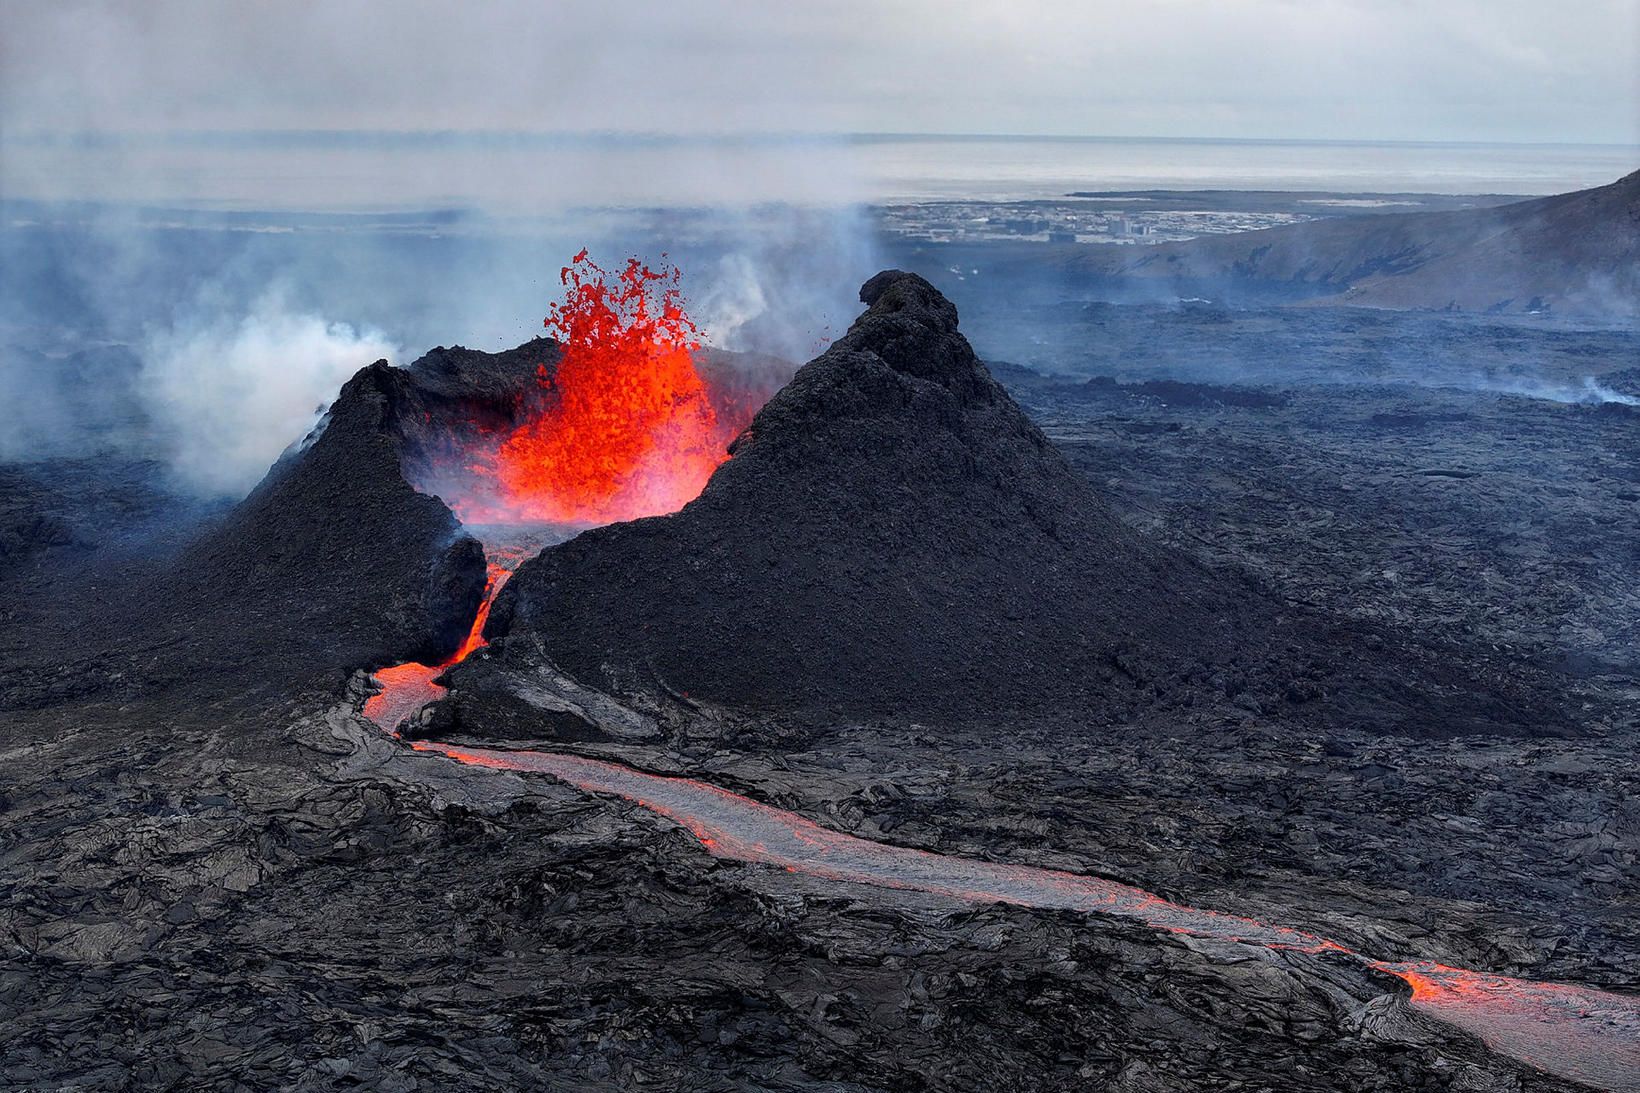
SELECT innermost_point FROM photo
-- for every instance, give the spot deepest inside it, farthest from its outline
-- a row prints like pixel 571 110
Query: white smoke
pixel 1590 392
pixel 788 281
pixel 230 393
pixel 733 297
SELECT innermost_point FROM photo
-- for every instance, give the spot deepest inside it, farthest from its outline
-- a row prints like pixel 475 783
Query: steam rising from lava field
pixel 623 426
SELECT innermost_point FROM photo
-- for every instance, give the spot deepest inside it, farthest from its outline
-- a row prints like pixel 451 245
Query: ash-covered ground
pixel 222 878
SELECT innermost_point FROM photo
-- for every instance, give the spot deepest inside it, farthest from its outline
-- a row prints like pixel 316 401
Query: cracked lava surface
pixel 1579 1033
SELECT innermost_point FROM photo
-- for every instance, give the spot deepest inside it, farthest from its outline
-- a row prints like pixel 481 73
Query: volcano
pixel 894 539
pixel 891 537
pixel 357 548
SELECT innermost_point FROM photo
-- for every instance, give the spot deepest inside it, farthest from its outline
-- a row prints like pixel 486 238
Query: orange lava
pixel 406 688
pixel 629 430
pixel 496 574
pixel 1588 1035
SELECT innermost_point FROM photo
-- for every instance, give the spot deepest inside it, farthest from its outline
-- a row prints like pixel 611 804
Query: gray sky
pixel 1524 70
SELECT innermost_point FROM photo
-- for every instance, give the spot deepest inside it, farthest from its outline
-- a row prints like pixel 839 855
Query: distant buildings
pixel 1065 222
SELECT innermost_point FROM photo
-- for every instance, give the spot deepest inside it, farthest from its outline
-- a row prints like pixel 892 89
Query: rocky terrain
pixel 226 878
pixel 316 909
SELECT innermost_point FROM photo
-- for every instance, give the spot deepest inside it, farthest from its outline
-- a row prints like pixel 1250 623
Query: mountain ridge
pixel 1575 254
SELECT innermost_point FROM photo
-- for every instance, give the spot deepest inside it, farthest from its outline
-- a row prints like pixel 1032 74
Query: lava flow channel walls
pixel 1575 1032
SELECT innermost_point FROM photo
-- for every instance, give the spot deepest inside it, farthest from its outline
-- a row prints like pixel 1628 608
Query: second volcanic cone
pixel 892 538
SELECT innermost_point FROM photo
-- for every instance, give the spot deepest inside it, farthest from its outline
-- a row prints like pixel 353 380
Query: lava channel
pixel 406 688
pixel 1578 1033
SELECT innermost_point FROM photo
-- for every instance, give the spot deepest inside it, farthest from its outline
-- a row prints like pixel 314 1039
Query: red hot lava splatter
pixel 629 428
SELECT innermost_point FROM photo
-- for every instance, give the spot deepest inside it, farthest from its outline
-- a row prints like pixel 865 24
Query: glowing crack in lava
pixel 629 428
pixel 1578 1033
pixel 406 688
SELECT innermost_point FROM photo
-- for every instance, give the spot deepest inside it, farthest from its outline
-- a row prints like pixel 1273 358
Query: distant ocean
pixel 933 168
pixel 532 174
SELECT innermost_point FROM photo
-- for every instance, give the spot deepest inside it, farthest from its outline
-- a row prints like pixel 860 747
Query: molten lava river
pixel 1576 1032
pixel 656 441
pixel 406 688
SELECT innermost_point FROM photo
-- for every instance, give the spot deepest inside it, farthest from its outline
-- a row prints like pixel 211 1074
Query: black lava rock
pixel 892 537
pixel 335 547
pixel 335 559
pixel 333 562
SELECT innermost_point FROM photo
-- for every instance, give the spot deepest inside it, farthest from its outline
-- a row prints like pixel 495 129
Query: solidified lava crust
pixel 1576 1032
pixel 209 869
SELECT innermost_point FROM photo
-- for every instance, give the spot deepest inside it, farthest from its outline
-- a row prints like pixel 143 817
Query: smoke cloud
pixel 229 394
pixel 1590 392
pixel 785 283
pixel 152 331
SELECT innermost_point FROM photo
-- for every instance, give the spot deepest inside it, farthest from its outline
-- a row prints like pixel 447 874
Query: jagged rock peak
pixel 912 328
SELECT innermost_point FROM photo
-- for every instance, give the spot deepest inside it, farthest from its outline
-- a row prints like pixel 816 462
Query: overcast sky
pixel 1522 70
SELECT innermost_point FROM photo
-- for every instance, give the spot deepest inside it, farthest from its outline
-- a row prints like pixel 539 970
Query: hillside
pixel 1575 254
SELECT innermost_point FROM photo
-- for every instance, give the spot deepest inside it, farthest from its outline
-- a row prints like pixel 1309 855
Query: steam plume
pixel 231 393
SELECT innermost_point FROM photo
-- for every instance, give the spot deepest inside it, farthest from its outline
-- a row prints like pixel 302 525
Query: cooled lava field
pixel 1061 719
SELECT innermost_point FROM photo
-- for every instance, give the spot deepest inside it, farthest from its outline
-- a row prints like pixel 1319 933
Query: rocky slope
pixel 332 561
pixel 893 537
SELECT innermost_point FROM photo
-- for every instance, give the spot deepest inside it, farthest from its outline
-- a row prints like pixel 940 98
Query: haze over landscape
pixel 1468 70
pixel 1179 630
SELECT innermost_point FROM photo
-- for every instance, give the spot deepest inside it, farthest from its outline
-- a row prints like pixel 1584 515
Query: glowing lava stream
pixel 1586 1035
pixel 406 688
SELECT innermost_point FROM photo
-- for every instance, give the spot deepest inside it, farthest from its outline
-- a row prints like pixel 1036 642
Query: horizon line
pixel 209 136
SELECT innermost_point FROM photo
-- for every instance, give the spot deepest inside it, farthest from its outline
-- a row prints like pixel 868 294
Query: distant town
pixel 1138 217
pixel 1079 220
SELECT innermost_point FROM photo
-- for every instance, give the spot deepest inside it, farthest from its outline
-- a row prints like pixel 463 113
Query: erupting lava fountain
pixel 627 428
